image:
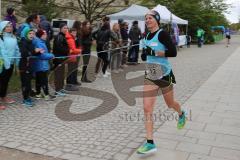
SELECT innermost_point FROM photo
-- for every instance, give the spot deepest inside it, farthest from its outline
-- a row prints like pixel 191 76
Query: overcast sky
pixel 234 14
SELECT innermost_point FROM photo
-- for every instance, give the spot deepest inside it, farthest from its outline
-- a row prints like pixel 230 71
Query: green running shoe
pixel 181 121
pixel 147 148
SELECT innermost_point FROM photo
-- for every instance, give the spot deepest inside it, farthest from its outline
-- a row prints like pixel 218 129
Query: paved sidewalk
pixel 41 133
pixel 214 130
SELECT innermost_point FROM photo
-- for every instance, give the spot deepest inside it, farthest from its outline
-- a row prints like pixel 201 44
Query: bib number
pixel 154 71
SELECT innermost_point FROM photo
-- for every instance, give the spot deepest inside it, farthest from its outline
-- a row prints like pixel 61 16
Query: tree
pixel 43 7
pixel 27 7
pixel 91 9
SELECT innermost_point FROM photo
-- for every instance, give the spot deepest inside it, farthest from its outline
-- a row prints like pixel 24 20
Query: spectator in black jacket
pixel 135 36
pixel 60 48
pixel 102 37
pixel 86 36
pixel 27 50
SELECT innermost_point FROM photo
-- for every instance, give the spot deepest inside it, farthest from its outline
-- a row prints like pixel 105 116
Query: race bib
pixel 154 71
pixel 157 67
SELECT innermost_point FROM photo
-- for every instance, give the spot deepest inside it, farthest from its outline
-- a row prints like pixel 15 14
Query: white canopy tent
pixel 133 13
pixel 137 12
pixel 167 16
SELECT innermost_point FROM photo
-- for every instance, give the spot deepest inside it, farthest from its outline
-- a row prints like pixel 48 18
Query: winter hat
pixel 155 15
pixel 3 24
pixel 120 21
pixel 40 32
pixel 10 11
pixel 135 22
pixel 27 31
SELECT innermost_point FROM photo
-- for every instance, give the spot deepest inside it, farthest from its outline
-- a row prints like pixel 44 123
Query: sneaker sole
pixel 25 105
pixel 60 95
pixel 148 152
pixel 182 126
pixel 50 99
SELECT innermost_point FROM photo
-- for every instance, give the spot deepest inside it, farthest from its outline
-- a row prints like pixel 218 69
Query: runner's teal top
pixel 157 46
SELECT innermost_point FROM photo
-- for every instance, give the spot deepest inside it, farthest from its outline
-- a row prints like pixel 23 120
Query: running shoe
pixel 28 102
pixel 2 107
pixel 63 91
pixel 39 96
pixel 60 94
pixel 181 120
pixel 147 148
pixel 49 97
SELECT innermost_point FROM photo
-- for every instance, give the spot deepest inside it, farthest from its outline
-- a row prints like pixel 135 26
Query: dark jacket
pixel 27 49
pixel 103 36
pixel 60 47
pixel 135 34
pixel 86 43
pixel 124 34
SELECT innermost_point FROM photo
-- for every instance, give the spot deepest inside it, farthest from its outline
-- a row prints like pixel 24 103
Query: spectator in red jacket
pixel 72 64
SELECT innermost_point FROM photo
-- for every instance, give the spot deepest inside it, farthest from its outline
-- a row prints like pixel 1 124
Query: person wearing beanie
pixel 158 47
pixel 60 48
pixel 8 50
pixel 12 18
pixel 40 65
pixel 27 50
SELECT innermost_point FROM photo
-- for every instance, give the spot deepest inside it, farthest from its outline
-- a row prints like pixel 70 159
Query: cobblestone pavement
pixel 45 130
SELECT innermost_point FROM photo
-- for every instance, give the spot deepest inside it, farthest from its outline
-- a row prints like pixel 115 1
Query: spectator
pixel 25 66
pixel 86 52
pixel 78 26
pixel 60 48
pixel 41 67
pixel 32 22
pixel 124 35
pixel 189 40
pixel 72 62
pixel 116 56
pixel 12 18
pixel 135 36
pixel 46 25
pixel 102 37
pixel 9 48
